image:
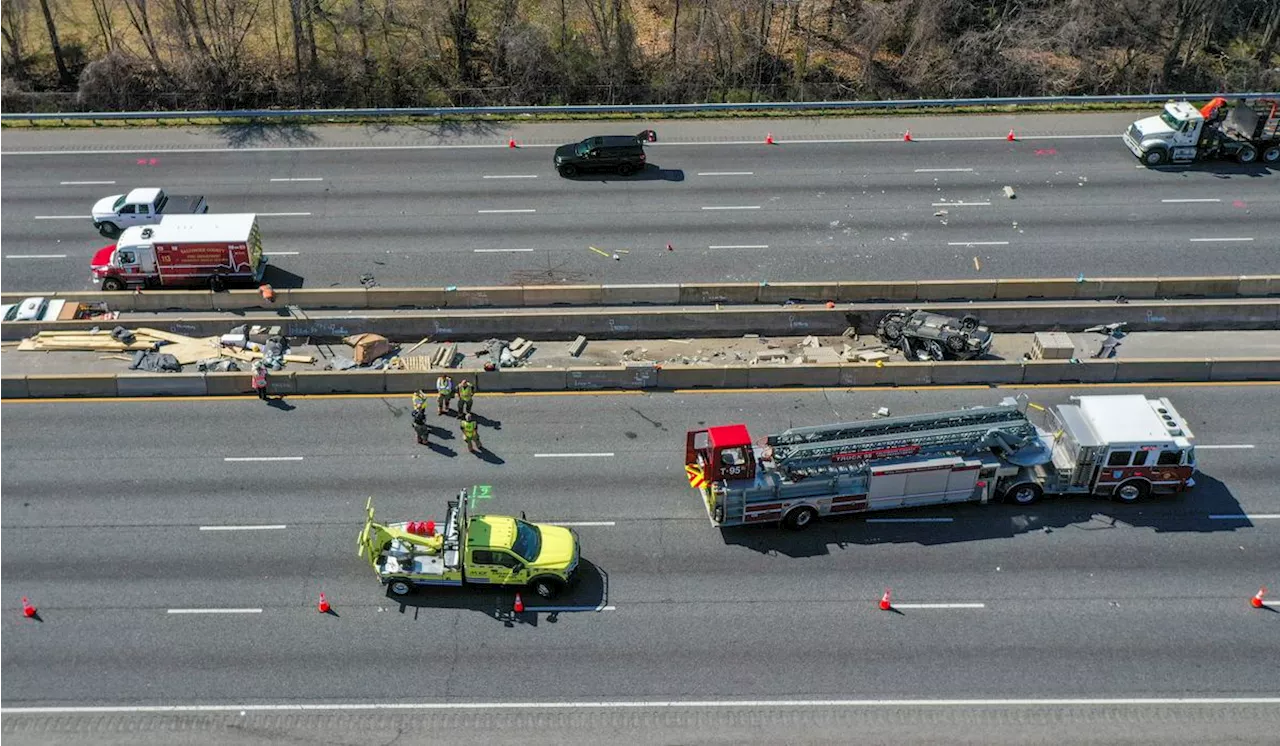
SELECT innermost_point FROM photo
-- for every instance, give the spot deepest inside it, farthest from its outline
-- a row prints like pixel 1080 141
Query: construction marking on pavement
pixel 943 170
pixel 908 520
pixel 512 176
pixel 35 256
pixel 284 214
pixel 939 606
pixel 1244 516
pixel 1200 447
pixel 740 246
pixel 86 183
pixel 501 251
pixel 265 527
pixel 581 523
pixel 263 458
pixel 1180 201
pixel 961 204
pixel 302 178
pixel 733 207
pixel 573 455
pixel 977 243
pixel 499 212
pixel 1210 240
pixel 279 253
pixel 214 611
pixel 726 173
pixel 64 217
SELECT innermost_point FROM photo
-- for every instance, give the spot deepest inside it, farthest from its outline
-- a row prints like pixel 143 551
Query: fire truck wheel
pixel 1132 491
pixel 547 587
pixel 800 518
pixel 1024 494
pixel 112 284
pixel 399 587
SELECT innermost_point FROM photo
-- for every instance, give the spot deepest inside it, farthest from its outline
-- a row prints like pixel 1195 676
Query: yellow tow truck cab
pixel 470 549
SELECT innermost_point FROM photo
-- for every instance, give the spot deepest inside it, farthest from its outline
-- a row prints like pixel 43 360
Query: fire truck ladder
pixel 809 451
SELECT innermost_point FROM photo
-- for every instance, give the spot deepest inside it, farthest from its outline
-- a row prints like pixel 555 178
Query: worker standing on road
pixel 466 392
pixel 419 400
pixel 471 434
pixel 444 393
pixel 260 379
pixel 419 417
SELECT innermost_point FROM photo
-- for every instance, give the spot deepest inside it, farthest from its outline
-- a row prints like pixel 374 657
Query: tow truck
pixel 1126 447
pixel 470 550
pixel 1246 131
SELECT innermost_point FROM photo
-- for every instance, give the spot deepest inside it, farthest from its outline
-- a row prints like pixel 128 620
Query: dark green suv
pixel 621 153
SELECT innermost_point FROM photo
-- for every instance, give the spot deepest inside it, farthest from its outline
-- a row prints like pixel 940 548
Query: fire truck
pixel 1125 447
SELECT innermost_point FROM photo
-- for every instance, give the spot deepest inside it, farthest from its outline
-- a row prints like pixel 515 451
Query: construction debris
pixel 577 346
pixel 446 356
pixel 183 349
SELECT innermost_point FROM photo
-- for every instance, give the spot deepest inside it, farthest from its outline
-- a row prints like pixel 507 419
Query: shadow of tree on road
pixel 258 133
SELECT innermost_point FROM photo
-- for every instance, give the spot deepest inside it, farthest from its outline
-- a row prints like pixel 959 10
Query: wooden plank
pixel 409 351
pixel 166 336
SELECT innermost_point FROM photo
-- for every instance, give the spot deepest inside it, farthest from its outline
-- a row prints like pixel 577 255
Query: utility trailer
pixel 1126 447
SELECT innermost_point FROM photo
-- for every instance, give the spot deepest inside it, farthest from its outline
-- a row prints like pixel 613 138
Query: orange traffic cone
pixel 768 139
pixel 1257 601
pixel 27 609
pixel 1010 136
pixel 511 142
pixel 831 304
pixel 519 607
pixel 323 606
pixel 268 294
pixel 907 136
pixel 885 604
pixel 670 247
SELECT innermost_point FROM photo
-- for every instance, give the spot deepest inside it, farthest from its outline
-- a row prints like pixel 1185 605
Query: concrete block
pixel 279 383
pixel 977 372
pixel 1065 371
pixel 387 298
pixel 562 295
pixel 1129 287
pixel 1037 288
pixel 1052 346
pixel 524 379
pixel 625 295
pixel 821 376
pixel 1255 285
pixel 611 377
pixel 505 296
pixel 13 387
pixel 859 292
pixel 1181 287
pixel 1243 369
pixel 228 384
pixel 88 384
pixel 1169 369
pixel 327 298
pixel 340 382
pixel 173 300
pixel 781 292
pixel 577 346
pixel 728 293
pixel 888 374
pixel 160 384
pixel 956 289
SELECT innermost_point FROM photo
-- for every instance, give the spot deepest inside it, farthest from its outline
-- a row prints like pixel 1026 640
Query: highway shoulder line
pixel 262 527
pixel 214 611
pixel 939 606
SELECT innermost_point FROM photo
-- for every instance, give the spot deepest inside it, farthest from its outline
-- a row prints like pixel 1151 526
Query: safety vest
pixel 466 391
pixel 260 378
pixel 444 387
pixel 468 429
pixel 419 400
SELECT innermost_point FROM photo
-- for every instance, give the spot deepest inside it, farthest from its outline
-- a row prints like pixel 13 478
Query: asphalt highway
pixel 835 203
pixel 117 538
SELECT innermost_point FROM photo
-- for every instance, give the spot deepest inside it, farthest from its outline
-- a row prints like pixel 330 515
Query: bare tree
pixel 13 27
pixel 65 77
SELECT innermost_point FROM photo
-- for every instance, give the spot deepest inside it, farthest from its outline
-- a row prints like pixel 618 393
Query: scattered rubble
pixel 173 349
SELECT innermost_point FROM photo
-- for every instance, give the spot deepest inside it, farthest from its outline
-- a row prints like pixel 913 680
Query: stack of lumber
pixel 186 349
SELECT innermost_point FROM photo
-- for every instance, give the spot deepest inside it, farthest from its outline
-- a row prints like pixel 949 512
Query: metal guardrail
pixel 797 106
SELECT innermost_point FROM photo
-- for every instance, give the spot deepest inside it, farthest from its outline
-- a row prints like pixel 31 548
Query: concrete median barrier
pixel 84 384
pixel 1134 371
pixel 1210 287
pixel 1244 369
pixel 626 295
pixel 808 292
pixel 160 384
pixel 14 387
pixel 228 384
pixel 728 293
pixel 611 377
pixel 562 295
pixel 995 372
pixel 866 292
pixel 392 298
pixel 887 374
pixel 523 379
pixel 805 376
pixel 344 298
pixel 1258 285
pixel 241 300
pixel 497 296
pixel 1066 371
pixel 172 300
pixel 927 290
pixel 407 381
pixel 340 382
pixel 673 377
pixel 1041 288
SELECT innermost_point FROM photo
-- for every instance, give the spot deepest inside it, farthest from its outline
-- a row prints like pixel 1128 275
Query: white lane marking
pixel 1205 240
pixel 498 212
pixel 740 246
pixel 909 520
pixel 726 173
pixel 961 204
pixel 272 527
pixel 302 178
pixel 501 251
pixel 1179 201
pixel 943 170
pixel 734 207
pixel 86 183
pixel 649 704
pixel 283 214
pixel 35 256
pixel 1244 516
pixel 63 217
pixel 582 523
pixel 279 253
pixel 214 611
pixel 573 455
pixel 1200 447
pixel 263 458
pixel 939 606
pixel 512 176
pixel 571 608
pixel 977 243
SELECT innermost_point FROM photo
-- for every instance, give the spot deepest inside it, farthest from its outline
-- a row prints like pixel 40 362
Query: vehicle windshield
pixel 119 202
pixel 1170 120
pixel 581 150
pixel 528 541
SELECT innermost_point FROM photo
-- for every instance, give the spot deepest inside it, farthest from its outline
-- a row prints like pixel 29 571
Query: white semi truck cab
pixel 1181 133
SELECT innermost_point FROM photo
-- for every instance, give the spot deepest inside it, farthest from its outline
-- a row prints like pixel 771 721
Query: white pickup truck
pixel 111 215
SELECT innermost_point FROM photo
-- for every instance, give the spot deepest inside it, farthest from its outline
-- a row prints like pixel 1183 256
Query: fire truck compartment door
pixel 923 483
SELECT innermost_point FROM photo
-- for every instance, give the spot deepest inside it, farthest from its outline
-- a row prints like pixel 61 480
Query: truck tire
pixel 568 171
pixel 1155 157
pixel 891 327
pixel 546 587
pixel 399 587
pixel 625 169
pixel 112 284
pixel 1247 154
pixel 935 350
pixel 1024 493
pixel 799 518
pixel 1271 154
pixel 109 230
pixel 1132 491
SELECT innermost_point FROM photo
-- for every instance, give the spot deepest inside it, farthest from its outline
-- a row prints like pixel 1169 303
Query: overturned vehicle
pixel 924 335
